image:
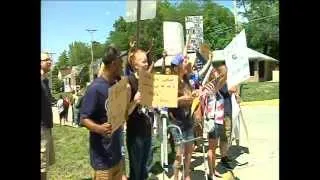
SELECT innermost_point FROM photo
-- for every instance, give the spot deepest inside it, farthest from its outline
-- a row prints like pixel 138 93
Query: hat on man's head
pixel 112 53
pixel 177 60
pixel 44 56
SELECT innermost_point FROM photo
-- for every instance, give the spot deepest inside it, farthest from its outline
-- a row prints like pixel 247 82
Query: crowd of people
pixel 198 103
pixel 69 104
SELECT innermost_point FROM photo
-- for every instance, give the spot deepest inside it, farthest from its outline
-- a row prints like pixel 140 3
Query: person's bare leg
pixel 223 148
pixel 177 163
pixel 225 141
pixel 187 161
pixel 212 157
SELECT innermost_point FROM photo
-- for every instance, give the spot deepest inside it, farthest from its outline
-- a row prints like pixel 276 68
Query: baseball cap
pixel 177 60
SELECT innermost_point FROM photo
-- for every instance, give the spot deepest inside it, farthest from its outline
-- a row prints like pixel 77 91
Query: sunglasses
pixel 45 60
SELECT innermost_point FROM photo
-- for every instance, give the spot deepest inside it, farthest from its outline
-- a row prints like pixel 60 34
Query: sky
pixel 63 22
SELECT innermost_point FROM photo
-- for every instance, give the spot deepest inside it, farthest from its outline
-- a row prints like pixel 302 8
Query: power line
pixel 257 19
pixel 263 17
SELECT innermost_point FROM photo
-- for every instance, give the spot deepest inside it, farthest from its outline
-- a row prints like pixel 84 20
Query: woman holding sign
pixel 139 124
pixel 181 116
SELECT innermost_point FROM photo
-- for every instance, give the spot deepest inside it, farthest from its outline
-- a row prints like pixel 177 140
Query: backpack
pixel 65 103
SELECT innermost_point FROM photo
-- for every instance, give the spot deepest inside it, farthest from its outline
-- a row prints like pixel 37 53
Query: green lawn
pixel 71 150
pixel 259 91
pixel 72 158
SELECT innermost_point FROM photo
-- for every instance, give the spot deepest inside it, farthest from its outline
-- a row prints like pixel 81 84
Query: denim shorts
pixel 187 134
pixel 222 131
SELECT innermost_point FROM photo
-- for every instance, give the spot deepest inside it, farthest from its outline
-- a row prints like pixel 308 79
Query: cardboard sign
pixel 158 90
pixel 117 104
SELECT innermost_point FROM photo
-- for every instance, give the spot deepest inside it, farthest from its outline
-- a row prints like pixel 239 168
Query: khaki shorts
pixel 114 173
pixel 46 152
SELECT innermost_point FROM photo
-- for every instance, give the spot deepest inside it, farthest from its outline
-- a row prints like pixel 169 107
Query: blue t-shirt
pixel 194 80
pixel 105 152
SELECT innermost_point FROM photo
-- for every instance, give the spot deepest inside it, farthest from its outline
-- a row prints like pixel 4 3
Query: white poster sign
pixel 148 10
pixel 173 40
pixel 236 56
pixel 194 28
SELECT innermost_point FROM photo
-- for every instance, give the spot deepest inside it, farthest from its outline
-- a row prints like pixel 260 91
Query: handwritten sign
pixel 194 27
pixel 117 104
pixel 158 90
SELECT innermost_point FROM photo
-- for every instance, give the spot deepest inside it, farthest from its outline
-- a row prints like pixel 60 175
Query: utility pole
pixel 235 15
pixel 91 31
pixel 50 54
pixel 138 20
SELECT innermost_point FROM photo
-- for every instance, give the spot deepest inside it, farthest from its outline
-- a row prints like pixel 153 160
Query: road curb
pixel 273 102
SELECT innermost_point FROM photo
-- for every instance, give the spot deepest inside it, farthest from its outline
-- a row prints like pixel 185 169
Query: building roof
pixel 65 71
pixel 77 69
pixel 218 55
pixel 257 55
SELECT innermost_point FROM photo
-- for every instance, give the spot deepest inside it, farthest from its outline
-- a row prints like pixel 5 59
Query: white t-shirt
pixel 60 105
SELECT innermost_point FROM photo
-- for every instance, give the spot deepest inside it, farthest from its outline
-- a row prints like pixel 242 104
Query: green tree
pixel 98 50
pixel 56 83
pixel 79 53
pixel 218 25
pixel 263 27
pixel 63 60
pixel 84 76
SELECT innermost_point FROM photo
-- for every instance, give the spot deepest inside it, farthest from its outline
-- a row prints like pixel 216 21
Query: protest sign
pixel 194 28
pixel 236 56
pixel 117 104
pixel 158 90
pixel 148 8
pixel 173 40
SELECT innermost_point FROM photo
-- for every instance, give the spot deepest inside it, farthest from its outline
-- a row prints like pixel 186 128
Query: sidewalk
pixel 262 161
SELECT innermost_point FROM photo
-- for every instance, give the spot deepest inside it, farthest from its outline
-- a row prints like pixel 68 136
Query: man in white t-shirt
pixel 60 109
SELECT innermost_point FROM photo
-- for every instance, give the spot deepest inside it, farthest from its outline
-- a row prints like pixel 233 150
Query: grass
pixel 71 147
pixel 259 91
pixel 71 151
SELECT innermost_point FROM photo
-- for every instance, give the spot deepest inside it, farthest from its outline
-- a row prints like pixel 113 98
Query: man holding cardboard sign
pixel 104 149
